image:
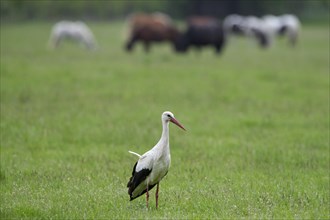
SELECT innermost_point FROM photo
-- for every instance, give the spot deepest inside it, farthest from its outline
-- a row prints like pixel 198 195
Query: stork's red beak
pixel 177 123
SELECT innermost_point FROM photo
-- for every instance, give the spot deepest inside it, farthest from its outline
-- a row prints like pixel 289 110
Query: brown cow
pixel 145 28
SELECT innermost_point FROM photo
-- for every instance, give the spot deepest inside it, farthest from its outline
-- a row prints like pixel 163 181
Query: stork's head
pixel 169 117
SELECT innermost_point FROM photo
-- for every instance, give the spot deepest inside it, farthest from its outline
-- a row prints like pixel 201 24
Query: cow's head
pixel 237 29
pixel 262 38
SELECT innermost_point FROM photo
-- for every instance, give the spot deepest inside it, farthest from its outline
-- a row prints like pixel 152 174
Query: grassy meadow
pixel 256 145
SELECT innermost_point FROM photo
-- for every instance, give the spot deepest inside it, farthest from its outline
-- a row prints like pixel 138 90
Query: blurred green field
pixel 257 140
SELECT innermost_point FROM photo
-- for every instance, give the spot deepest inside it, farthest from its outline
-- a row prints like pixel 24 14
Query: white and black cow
pixel 247 26
pixel 264 30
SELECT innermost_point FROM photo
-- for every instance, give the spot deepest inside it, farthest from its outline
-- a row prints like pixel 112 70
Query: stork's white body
pixel 158 160
pixel 153 165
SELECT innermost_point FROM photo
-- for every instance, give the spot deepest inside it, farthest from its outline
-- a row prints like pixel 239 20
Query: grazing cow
pixel 273 23
pixel 249 26
pixel 156 27
pixel 201 31
pixel 255 28
pixel 263 30
pixel 76 31
pixel 232 24
pixel 290 27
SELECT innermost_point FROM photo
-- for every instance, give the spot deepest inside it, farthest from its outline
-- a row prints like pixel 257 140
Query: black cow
pixel 201 31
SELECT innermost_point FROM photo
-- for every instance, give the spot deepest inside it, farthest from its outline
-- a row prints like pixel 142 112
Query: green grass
pixel 257 140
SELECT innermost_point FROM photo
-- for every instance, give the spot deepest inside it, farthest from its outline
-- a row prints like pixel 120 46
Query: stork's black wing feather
pixel 130 180
pixel 144 191
pixel 136 179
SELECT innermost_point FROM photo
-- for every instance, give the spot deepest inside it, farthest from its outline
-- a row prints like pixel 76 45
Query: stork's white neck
pixel 166 131
pixel 163 143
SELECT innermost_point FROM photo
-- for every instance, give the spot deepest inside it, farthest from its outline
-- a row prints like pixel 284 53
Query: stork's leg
pixel 157 195
pixel 147 196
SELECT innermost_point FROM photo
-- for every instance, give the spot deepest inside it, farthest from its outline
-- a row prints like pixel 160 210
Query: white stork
pixel 153 165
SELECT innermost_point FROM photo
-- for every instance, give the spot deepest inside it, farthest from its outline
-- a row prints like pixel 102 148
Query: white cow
pixel 76 31
pixel 248 26
pixel 286 25
pixel 272 26
pixel 291 27
pixel 232 24
pixel 263 30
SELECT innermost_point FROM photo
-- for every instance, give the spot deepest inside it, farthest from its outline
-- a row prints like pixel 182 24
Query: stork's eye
pixel 168 115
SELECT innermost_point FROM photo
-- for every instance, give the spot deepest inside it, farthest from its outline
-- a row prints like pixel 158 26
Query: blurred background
pixel 306 10
pixel 257 120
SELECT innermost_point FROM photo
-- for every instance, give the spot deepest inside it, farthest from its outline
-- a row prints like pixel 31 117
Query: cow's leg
pixel 217 48
pixel 146 46
pixel 57 41
pixel 130 44
pixel 220 44
pixel 293 35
